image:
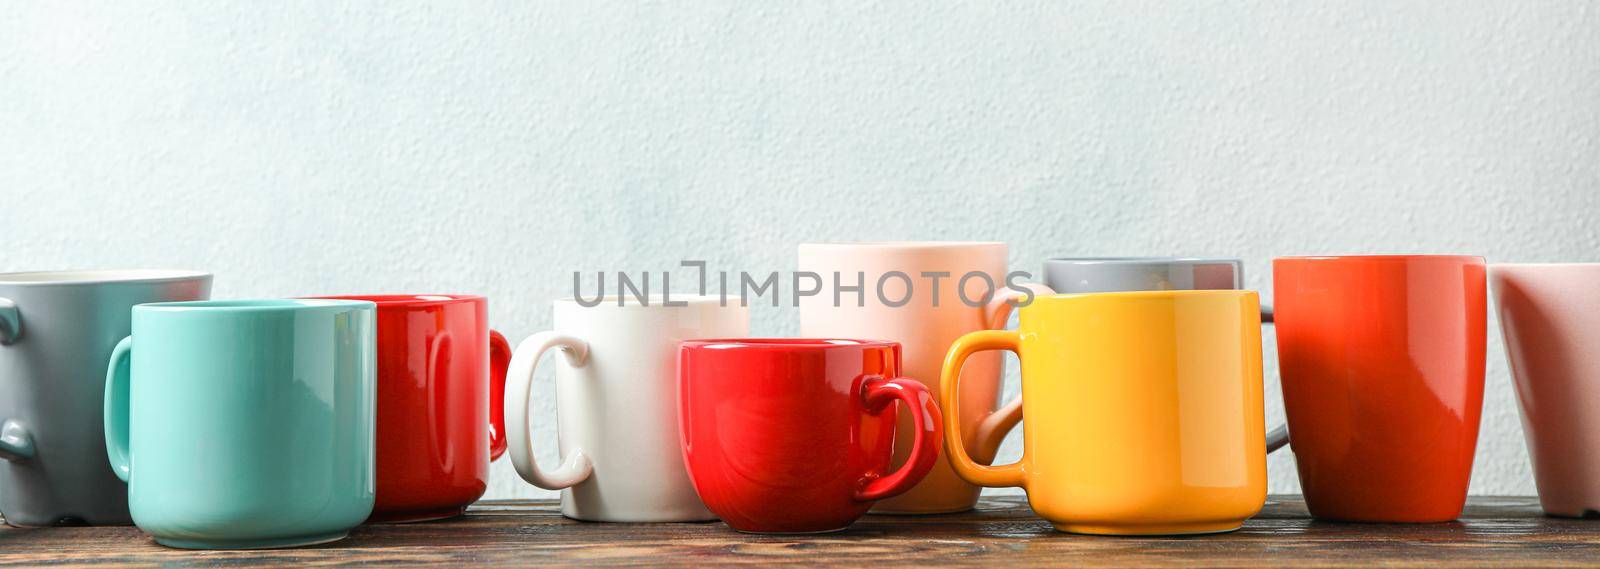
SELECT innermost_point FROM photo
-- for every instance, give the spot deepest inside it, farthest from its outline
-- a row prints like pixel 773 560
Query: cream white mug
pixel 616 405
pixel 925 319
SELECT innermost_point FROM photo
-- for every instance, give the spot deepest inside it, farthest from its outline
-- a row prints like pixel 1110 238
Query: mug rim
pixel 248 305
pixel 402 300
pixel 900 244
pixel 1594 264
pixel 76 277
pixel 656 300
pixel 1176 293
pixel 1380 257
pixel 1144 260
pixel 785 344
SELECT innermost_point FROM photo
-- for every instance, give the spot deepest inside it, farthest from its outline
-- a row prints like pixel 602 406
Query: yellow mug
pixel 1143 411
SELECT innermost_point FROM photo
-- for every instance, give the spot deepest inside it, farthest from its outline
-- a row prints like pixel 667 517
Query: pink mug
pixel 1550 315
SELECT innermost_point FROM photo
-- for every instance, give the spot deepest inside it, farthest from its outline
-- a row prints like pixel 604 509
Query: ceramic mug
pixel 1550 314
pixel 1382 365
pixel 1144 411
pixel 796 435
pixel 1071 275
pixel 1116 274
pixel 927 318
pixel 616 405
pixel 245 424
pixel 56 331
pixel 441 391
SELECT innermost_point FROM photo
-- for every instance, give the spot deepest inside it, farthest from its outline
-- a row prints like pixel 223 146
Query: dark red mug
pixel 796 435
pixel 441 416
pixel 1382 363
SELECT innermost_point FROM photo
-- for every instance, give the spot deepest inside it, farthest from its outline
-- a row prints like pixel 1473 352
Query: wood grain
pixel 1001 533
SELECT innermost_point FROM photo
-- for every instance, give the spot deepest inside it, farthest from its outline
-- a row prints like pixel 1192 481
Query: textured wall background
pixel 496 147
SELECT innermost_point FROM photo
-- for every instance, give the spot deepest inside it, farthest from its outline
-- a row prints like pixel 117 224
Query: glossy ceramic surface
pixel 1121 274
pixel 245 424
pixel 924 330
pixel 1144 411
pixel 1115 274
pixel 616 406
pixel 1382 365
pixel 441 391
pixel 795 435
pixel 1551 318
pixel 56 331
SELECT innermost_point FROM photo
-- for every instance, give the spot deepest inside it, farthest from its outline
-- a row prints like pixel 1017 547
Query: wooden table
pixel 1002 533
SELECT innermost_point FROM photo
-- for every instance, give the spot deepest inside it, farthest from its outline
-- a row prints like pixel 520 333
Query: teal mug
pixel 245 424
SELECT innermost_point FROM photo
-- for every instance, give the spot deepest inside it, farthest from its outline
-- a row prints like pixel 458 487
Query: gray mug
pixel 1118 274
pixel 57 330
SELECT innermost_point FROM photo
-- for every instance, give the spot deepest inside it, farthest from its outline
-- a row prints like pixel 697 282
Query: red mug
pixel 441 417
pixel 1382 366
pixel 796 435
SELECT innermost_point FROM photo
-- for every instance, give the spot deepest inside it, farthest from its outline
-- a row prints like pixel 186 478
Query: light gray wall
pixel 495 147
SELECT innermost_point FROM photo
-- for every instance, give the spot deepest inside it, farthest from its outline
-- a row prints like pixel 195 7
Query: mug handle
pixel 10 322
pixel 499 361
pixel 116 409
pixel 1278 437
pixel 950 395
pixel 992 430
pixel 16 444
pixel 880 394
pixel 576 467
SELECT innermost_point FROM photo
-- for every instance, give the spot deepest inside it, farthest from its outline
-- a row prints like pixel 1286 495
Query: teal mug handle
pixel 116 409
pixel 15 442
pixel 10 322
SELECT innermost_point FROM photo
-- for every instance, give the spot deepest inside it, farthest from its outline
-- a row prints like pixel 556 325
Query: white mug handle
pixel 576 467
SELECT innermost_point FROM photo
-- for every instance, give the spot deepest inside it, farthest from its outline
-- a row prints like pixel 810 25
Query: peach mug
pixel 924 317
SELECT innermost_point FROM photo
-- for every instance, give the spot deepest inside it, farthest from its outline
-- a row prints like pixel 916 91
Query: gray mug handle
pixel 1278 437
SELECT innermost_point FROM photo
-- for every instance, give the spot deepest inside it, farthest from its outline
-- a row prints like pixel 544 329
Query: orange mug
pixel 1382 365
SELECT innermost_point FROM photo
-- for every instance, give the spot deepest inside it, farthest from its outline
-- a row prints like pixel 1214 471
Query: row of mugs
pixel 1143 386
pixel 1382 360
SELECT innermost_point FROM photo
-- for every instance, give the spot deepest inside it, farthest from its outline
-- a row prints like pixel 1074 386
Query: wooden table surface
pixel 1002 533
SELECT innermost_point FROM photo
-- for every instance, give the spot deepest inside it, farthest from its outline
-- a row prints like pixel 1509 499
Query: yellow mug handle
pixel 949 399
pixel 993 430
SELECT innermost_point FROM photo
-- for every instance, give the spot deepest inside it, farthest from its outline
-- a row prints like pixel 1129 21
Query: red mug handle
pixel 879 395
pixel 499 360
